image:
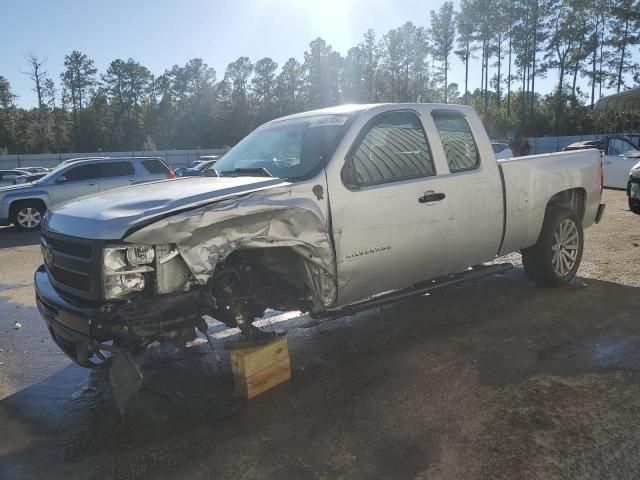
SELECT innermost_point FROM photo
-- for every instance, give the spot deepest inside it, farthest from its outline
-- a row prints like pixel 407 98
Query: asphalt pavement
pixel 495 379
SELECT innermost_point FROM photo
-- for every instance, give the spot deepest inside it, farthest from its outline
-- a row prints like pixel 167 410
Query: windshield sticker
pixel 328 121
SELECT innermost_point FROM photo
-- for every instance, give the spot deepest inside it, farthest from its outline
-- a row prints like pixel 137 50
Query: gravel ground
pixel 612 248
pixel 496 379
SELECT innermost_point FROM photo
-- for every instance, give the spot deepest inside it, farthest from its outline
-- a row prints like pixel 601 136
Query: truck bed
pixel 529 182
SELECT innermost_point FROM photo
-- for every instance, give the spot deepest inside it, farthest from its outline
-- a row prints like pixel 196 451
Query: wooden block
pixel 263 380
pixel 246 362
pixel 257 369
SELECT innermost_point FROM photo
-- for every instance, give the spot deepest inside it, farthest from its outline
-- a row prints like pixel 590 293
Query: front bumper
pixel 69 323
pixel 81 330
pixel 4 222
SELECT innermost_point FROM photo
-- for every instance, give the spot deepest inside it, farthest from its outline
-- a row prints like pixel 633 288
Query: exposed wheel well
pixel 572 199
pixel 17 203
pixel 257 279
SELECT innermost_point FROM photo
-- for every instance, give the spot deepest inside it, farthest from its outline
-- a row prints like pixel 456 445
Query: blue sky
pixel 161 33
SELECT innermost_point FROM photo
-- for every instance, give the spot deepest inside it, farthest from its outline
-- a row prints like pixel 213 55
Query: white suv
pixel 24 205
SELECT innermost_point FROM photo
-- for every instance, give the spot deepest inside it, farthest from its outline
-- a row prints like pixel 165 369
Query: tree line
pixel 517 43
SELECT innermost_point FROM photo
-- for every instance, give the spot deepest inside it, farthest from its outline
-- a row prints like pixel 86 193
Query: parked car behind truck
pixel 200 169
pixel 633 189
pixel 8 177
pixel 24 205
pixel 328 211
pixel 619 156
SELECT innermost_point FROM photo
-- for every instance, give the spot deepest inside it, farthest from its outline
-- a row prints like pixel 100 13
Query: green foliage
pixel 443 34
pixel 517 42
pixel 149 144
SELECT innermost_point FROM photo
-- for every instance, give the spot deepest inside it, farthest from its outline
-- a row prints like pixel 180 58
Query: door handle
pixel 132 179
pixel 430 196
pixel 92 184
pixel 607 162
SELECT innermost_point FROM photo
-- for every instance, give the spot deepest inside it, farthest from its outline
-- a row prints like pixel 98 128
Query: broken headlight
pixel 124 269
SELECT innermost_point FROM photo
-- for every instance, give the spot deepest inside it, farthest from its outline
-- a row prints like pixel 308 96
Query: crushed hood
pixel 285 217
pixel 109 215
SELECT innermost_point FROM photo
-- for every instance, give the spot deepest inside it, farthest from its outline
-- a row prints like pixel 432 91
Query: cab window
pixel 394 148
pixel 457 140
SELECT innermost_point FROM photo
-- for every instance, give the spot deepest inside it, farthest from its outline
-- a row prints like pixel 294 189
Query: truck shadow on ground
pixel 376 394
pixel 12 237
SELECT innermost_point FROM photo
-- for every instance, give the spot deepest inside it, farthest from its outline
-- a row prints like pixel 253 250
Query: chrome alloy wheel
pixel 565 247
pixel 29 217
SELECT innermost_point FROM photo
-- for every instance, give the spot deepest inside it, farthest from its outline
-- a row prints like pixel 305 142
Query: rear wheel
pixel 27 215
pixel 555 258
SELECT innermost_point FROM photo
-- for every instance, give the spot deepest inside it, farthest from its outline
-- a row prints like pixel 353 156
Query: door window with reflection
pixel 394 148
pixel 116 169
pixel 83 172
pixel 457 140
pixel 619 146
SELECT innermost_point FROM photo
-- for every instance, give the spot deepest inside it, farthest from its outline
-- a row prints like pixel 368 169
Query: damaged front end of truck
pixel 230 259
pixel 147 263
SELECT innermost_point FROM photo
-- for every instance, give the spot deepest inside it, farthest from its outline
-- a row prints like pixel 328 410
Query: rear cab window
pixel 392 147
pixel 155 166
pixel 457 139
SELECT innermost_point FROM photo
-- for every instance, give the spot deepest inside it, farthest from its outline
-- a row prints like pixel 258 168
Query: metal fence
pixel 555 144
pixel 173 158
pixel 180 158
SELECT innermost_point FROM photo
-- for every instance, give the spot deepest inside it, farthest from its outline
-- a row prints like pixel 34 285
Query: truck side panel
pixel 530 182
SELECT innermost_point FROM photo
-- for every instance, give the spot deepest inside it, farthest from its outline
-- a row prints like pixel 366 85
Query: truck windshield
pixel 292 149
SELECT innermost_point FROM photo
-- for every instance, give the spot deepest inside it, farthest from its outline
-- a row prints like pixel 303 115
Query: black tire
pixel 27 215
pixel 634 206
pixel 544 267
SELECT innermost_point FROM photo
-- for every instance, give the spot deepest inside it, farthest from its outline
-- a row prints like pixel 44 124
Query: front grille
pixel 78 250
pixel 73 265
pixel 79 281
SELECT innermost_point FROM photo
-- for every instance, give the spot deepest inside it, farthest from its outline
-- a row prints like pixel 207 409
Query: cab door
pixel 391 217
pixel 473 178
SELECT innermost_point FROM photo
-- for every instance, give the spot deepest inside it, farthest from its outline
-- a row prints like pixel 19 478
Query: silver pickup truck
pixel 329 211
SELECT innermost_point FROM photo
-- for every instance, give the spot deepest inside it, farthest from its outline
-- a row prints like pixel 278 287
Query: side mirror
pixel 61 179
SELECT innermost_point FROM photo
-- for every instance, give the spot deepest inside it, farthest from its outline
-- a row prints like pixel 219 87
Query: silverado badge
pixel 359 253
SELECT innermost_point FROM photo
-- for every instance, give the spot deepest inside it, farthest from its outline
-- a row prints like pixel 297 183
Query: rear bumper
pixel 4 222
pixel 601 208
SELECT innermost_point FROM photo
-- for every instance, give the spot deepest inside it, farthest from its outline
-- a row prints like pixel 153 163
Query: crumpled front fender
pixel 274 218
